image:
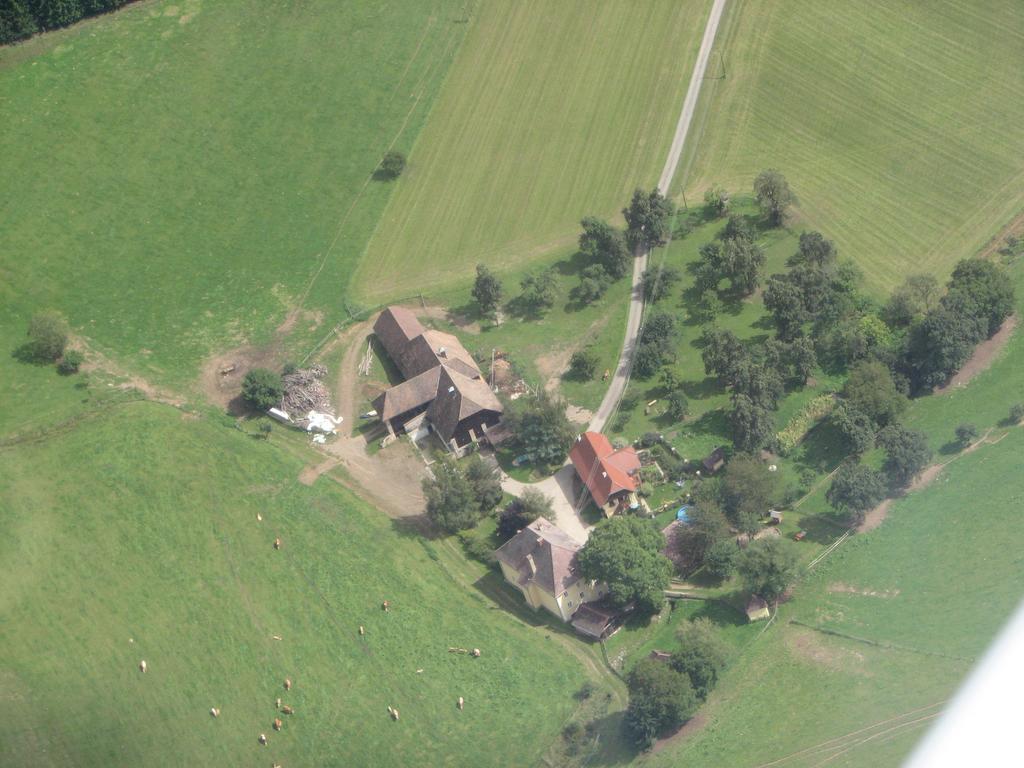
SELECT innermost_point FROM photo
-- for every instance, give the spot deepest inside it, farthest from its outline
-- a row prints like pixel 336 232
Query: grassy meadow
pixel 552 111
pixel 113 536
pixel 897 124
pixel 177 177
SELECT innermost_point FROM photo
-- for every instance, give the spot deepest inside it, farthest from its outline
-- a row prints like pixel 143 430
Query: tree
pixel 391 165
pixel 906 452
pixel 523 511
pixel 743 261
pixel 871 390
pixel 802 358
pixel 539 290
pixel 605 245
pixel 720 559
pixel 658 283
pixel 855 426
pixel 723 354
pixel 986 289
pixel 773 195
pixel 702 654
pixel 485 482
pixel 625 553
pixel 707 308
pixel 16 22
pixel 768 566
pixel 738 227
pixel 716 200
pixel 855 489
pixel 487 291
pixel 938 345
pixel 916 296
pixel 70 362
pixel 966 434
pixel 760 383
pixel 752 425
pixel 583 364
pixel 706 525
pixel 748 491
pixel 660 698
pixel 262 388
pixel 47 335
pixel 648 219
pixel 540 427
pixel 594 282
pixel 657 344
pixel 678 405
pixel 451 502
pixel 814 251
pixel 785 301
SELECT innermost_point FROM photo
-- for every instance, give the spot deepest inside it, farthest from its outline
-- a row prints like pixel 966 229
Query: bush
pixel 262 389
pixel 768 567
pixel 702 655
pixel 1017 413
pixel 391 165
pixel 855 489
pixel 583 364
pixel 71 362
pixel 660 698
pixel 47 335
pixel 906 452
pixel 586 691
pixel 966 434
pixel 476 546
pixel 574 735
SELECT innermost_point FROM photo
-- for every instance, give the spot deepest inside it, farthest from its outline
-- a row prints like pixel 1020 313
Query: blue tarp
pixel 682 515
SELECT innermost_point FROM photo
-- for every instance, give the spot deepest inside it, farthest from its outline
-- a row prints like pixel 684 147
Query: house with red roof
pixel 611 476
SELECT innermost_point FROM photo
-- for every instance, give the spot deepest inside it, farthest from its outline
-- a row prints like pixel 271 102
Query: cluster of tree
pixel 538 291
pixel 583 364
pixel 460 493
pixel 657 344
pixel 734 257
pixel 773 195
pixel 23 18
pixel 391 166
pixel 523 511
pixel 540 427
pixel 625 553
pixel 871 400
pixel 663 696
pixel 48 341
pixel 262 388
pixel 676 403
pixel 648 219
pixel 659 282
pixel 941 335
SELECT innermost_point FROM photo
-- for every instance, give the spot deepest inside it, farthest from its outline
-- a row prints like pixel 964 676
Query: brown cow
pixel 287 710
pixel 287 684
pixel 277 723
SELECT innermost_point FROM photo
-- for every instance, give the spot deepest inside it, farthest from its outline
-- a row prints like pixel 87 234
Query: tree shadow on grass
pixel 822 450
pixel 28 354
pixel 611 742
pixel 951 448
pixel 711 423
pixel 416 527
pixel 822 528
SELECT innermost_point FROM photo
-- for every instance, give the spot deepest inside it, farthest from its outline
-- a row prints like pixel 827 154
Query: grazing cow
pixel 287 710
pixel 263 739
pixel 277 543
pixel 391 710
pixel 361 630
pixel 214 711
pixel 476 653
pixel 287 684
pixel 386 605
pixel 462 702
pixel 277 723
pixel 394 714
pixel 259 518
pixel 278 703
pixel 142 665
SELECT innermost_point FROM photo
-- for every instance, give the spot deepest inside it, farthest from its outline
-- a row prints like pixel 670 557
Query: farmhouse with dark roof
pixel 443 386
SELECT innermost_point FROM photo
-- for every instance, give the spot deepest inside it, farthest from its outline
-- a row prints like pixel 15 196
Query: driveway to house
pixel 636 301
pixel 559 487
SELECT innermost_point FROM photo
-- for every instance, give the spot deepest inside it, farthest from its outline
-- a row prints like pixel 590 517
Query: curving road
pixel 636 301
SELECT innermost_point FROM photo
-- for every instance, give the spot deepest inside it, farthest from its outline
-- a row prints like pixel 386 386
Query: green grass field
pixel 114 533
pixel 176 176
pixel 896 124
pixel 552 111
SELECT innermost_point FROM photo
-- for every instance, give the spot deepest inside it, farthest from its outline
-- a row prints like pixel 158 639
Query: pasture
pixel 896 124
pixel 552 111
pixel 179 177
pixel 113 536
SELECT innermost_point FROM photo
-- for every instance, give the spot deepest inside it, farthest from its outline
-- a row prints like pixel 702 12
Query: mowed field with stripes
pixel 899 125
pixel 551 112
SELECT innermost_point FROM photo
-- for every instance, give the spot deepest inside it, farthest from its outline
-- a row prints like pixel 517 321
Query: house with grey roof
pixel 443 390
pixel 540 561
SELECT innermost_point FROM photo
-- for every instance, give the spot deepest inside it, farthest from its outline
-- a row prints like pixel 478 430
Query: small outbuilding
pixel 714 461
pixel 757 609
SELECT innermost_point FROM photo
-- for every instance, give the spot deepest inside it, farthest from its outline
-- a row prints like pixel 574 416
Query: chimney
pixel 533 565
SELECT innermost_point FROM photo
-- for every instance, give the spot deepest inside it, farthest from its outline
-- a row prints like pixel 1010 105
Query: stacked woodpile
pixel 305 391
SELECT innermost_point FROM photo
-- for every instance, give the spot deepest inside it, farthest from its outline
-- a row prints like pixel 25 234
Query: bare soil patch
pixel 578 414
pixel 840 587
pixel 552 365
pixel 1014 227
pixel 982 358
pixel 220 378
pixel 809 645
pixel 97 361
pixel 877 516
